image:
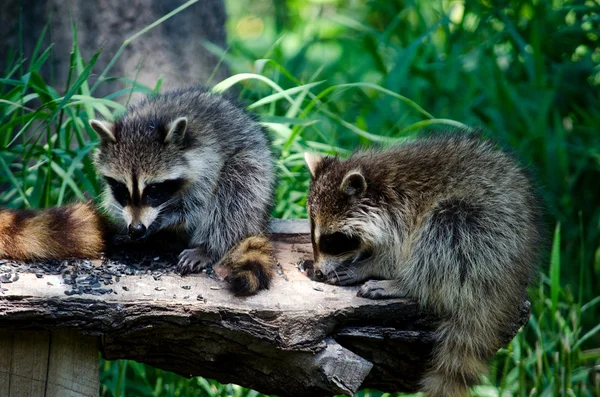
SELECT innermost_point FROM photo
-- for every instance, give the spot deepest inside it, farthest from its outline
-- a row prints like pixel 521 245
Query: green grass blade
pixel 555 270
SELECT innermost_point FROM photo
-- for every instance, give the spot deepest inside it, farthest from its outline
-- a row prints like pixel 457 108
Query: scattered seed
pixel 125 288
pixel 186 286
pixel 160 288
pixel 5 278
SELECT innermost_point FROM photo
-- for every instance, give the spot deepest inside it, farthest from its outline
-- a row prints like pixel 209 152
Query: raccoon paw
pixel 342 277
pixel 192 260
pixel 381 289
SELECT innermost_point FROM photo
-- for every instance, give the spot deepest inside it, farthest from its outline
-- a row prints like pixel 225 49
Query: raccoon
pixel 448 220
pixel 194 162
pixel 187 161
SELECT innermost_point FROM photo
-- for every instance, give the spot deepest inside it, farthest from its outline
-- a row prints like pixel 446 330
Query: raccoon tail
pixel 460 355
pixel 249 265
pixel 76 230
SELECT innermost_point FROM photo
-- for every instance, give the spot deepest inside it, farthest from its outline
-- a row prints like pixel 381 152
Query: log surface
pixel 299 338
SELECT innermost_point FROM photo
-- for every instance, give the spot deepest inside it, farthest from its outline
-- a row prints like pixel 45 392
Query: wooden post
pixel 42 363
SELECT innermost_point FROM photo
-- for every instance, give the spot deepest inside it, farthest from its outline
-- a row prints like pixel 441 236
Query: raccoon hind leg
pixel 249 265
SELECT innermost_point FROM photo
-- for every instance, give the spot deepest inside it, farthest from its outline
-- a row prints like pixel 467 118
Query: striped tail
pixel 460 356
pixel 70 231
pixel 249 265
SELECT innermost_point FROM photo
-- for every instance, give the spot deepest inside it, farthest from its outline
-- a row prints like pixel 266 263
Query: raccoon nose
pixel 137 231
pixel 319 275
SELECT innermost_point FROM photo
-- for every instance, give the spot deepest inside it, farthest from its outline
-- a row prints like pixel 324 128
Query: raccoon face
pixel 147 209
pixel 144 172
pixel 336 207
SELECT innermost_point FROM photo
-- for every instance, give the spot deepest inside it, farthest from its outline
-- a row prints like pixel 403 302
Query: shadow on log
pixel 300 338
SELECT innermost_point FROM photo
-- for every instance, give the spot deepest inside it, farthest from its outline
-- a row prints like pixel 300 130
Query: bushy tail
pixel 70 231
pixel 249 265
pixel 465 343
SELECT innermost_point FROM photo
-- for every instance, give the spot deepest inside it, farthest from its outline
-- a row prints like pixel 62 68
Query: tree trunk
pixel 174 49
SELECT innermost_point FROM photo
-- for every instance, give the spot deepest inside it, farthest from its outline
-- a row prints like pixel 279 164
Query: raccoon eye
pixel 119 190
pixel 157 193
pixel 338 243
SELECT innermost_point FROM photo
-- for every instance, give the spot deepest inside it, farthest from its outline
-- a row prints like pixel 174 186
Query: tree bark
pixel 299 338
pixel 174 49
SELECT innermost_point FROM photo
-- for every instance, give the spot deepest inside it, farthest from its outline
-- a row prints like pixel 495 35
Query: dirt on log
pixel 299 338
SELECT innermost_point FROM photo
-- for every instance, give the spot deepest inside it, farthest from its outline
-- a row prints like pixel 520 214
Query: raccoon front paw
pixel 342 277
pixel 192 260
pixel 381 289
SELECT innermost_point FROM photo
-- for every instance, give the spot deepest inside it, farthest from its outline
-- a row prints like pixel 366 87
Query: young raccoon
pixel 189 161
pixel 449 221
pixel 192 161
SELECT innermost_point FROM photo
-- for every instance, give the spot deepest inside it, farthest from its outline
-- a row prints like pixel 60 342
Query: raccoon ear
pixel 177 130
pixel 103 129
pixel 312 162
pixel 354 184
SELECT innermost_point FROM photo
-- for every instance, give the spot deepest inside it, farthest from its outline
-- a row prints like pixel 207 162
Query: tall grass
pixel 331 76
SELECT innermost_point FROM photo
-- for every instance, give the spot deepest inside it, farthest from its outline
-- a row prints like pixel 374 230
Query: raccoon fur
pixel 76 230
pixel 450 221
pixel 187 161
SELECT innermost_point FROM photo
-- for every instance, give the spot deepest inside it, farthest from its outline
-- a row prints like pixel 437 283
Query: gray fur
pixel 220 153
pixel 450 221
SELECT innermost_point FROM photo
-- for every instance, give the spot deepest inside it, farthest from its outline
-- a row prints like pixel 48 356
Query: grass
pixel 331 76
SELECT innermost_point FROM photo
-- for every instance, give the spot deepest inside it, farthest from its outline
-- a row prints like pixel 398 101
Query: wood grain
pixel 42 363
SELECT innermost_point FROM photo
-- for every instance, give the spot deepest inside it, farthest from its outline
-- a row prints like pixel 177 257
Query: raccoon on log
pixel 188 161
pixel 448 220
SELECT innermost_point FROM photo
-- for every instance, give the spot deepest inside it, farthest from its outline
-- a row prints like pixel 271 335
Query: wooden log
pixel 299 338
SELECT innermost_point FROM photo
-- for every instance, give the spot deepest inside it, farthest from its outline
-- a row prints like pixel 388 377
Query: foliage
pixel 331 75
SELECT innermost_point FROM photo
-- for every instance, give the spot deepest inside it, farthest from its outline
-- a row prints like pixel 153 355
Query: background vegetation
pixel 331 75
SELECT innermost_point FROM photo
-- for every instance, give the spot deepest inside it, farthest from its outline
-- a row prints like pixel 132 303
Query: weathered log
pixel 299 338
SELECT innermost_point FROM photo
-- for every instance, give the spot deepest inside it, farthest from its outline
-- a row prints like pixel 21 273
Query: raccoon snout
pixel 137 231
pixel 319 276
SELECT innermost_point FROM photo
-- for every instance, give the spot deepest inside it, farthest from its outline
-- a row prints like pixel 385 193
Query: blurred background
pixel 329 76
